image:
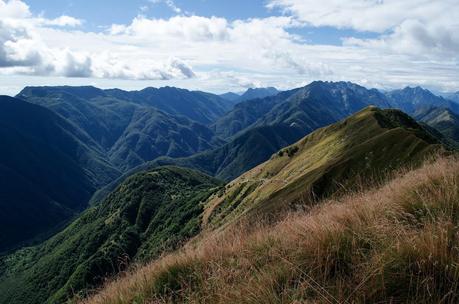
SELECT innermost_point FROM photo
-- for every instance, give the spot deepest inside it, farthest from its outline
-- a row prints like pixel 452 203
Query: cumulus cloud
pixel 23 50
pixel 369 15
pixel 415 38
pixel 193 28
pixel 62 21
pixel 414 46
pixel 14 9
pixel 419 27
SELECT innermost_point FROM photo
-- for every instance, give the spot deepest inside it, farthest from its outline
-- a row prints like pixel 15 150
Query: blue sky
pixel 218 45
pixel 124 11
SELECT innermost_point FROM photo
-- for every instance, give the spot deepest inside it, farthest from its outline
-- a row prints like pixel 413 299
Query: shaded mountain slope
pixel 49 170
pixel 409 100
pixel 225 163
pixel 363 146
pixel 442 119
pixel 149 213
pixel 247 113
pixel 153 133
pixel 102 117
pixel 129 126
pixel 241 154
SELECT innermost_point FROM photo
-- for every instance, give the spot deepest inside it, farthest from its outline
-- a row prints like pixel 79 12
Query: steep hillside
pixel 442 119
pixel 409 100
pixel 102 117
pixel 394 244
pixel 128 125
pixel 225 163
pixel 153 133
pixel 240 155
pixel 149 213
pixel 48 171
pixel 331 159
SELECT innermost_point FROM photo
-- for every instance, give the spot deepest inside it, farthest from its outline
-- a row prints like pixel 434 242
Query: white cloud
pixel 14 9
pixel 26 48
pixel 63 21
pixel 193 28
pixel 369 15
pixel 214 53
pixel 412 27
pixel 417 39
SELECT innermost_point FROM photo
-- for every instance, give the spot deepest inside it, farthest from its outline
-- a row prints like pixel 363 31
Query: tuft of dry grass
pixel 397 243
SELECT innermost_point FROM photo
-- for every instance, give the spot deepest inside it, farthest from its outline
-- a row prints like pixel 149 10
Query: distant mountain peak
pixel 254 93
pixel 87 92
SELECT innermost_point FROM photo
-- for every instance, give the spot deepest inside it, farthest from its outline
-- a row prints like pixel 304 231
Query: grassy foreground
pixel 397 243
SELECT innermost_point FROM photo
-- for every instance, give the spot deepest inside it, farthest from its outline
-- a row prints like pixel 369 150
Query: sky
pixel 220 45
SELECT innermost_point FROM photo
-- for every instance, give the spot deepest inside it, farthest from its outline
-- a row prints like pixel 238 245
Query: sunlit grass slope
pixel 365 146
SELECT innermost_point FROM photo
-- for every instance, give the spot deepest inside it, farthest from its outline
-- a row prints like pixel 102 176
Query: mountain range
pixel 127 175
pixel 154 210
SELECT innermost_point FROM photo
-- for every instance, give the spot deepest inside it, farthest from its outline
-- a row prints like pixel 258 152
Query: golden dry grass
pixel 397 243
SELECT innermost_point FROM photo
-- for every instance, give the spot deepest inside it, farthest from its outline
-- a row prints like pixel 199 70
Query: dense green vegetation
pixel 48 171
pixel 149 213
pixel 134 127
pixel 243 153
pixel 225 163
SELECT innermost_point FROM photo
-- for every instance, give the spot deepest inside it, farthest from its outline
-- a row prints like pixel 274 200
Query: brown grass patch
pixel 394 244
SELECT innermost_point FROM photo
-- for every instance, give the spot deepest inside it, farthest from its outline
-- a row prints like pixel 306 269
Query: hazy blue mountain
pixel 452 96
pixel 230 96
pixel 410 99
pixel 199 106
pixel 48 171
pixel 254 93
pixel 442 119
